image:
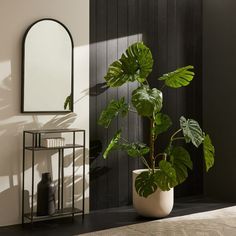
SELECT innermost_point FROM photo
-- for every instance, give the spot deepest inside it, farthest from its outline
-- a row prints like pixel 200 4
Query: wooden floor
pixel 109 218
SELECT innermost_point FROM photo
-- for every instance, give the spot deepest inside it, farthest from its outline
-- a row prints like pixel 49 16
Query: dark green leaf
pixel 68 103
pixel 135 149
pixel 113 145
pixel 178 78
pixel 181 160
pixel 134 65
pixel 147 101
pixel 112 110
pixel 191 131
pixel 162 123
pixel 166 176
pixel 146 184
pixel 209 152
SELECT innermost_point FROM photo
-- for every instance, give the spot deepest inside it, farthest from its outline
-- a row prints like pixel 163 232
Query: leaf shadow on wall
pixel 95 146
pixel 5 92
pixel 10 140
pixel 10 194
pixel 98 89
pixel 47 162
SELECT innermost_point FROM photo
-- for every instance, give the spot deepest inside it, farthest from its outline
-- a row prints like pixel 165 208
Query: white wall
pixel 15 17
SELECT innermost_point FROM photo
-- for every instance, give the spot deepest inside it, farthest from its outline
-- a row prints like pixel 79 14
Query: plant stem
pixel 152 146
pixel 163 86
pixel 178 138
pixel 172 138
pixel 175 134
pixel 145 162
pixel 147 82
pixel 160 154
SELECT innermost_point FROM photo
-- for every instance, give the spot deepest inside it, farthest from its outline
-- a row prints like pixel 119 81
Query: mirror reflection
pixel 47 68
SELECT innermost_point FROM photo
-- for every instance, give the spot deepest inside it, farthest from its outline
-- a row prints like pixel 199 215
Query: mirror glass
pixel 47 68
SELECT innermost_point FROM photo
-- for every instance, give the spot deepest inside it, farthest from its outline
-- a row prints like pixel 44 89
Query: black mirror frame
pixel 23 70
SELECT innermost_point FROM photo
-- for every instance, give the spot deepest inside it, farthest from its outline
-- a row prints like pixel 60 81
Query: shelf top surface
pixel 39 131
pixel 57 147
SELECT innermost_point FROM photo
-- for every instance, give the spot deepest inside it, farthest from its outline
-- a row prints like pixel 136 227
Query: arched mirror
pixel 47 68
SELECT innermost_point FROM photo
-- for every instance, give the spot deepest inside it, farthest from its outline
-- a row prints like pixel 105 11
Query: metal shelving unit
pixel 34 147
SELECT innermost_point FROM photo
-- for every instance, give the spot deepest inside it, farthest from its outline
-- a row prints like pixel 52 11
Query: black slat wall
pixel 219 112
pixel 172 29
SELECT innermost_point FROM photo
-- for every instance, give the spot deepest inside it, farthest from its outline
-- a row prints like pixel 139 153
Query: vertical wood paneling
pixel 133 121
pixel 183 57
pixel 172 29
pixel 101 66
pixel 162 35
pixel 140 38
pixel 162 59
pixel 123 92
pixel 93 98
pixel 171 95
pixel 195 91
pixel 219 52
pixel 112 94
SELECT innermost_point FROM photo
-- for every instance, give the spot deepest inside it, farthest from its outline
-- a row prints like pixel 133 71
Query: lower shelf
pixel 58 213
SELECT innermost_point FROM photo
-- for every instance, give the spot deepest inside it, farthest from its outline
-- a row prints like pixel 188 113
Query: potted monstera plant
pixel 153 186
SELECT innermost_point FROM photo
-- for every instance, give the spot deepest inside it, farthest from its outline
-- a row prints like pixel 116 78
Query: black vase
pixel 46 204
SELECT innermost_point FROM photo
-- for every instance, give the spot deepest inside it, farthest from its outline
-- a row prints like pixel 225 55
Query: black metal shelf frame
pixel 36 146
pixel 59 213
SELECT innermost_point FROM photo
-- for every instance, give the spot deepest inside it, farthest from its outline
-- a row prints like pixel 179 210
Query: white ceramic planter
pixel 157 205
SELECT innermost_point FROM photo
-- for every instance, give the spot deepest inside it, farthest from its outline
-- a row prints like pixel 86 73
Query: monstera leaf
pixel 113 145
pixel 178 78
pixel 162 123
pixel 181 161
pixel 147 100
pixel 191 131
pixel 112 110
pixel 134 65
pixel 209 152
pixel 146 183
pixel 135 149
pixel 166 176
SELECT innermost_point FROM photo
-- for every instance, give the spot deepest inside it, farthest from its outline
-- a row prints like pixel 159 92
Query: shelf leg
pixel 73 178
pixel 59 177
pixel 32 190
pixel 23 182
pixel 83 173
pixel 62 178
pixel 36 140
pixel 39 140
